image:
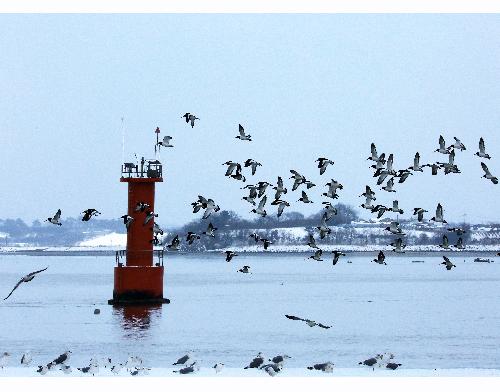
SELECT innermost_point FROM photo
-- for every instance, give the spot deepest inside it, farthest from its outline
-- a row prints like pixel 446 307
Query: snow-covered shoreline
pixel 286 372
pixel 409 250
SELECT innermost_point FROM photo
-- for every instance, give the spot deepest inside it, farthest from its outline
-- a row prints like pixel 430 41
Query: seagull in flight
pixel 380 258
pixel 56 219
pixel 89 213
pixel 488 175
pixel 458 145
pixel 190 118
pixel 311 323
pixel 323 164
pixel 447 263
pixel 174 245
pixel 25 279
pixel 165 142
pixel 260 209
pixel 482 152
pixel 242 135
pixel 442 148
pixel 439 214
pixel 253 164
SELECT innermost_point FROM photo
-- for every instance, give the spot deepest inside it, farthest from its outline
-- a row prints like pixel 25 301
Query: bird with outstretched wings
pixel 24 279
pixel 311 323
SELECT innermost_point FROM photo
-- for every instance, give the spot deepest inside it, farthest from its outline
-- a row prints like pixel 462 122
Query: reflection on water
pixel 136 320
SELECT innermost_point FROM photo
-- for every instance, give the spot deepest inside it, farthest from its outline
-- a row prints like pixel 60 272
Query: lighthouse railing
pixel 157 254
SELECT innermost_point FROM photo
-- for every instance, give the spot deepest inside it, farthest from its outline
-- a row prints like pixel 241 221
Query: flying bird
pixel 210 230
pixel 439 214
pixel 280 189
pixel 323 164
pixel 141 206
pixel 416 163
pixel 260 209
pixel 253 164
pixel 317 255
pixel 398 245
pixel 458 145
pixel 420 213
pixel 25 279
pixel 229 255
pixel 127 220
pixel 56 219
pixel 380 258
pixel 266 243
pixel 191 237
pixel 305 198
pixel 442 148
pixel 444 244
pixel 281 205
pixel 323 228
pixel 242 135
pixel 482 152
pixel 311 323
pixel 336 256
pixel 326 367
pixel 174 245
pixel 165 142
pixel 394 228
pixel 312 242
pixel 190 118
pixel 488 175
pixel 298 179
pixel 447 263
pixel 89 213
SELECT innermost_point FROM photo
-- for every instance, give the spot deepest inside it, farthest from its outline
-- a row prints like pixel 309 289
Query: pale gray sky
pixel 303 86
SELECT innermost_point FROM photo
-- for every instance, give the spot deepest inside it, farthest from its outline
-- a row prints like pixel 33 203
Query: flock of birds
pixel 187 364
pixel 258 195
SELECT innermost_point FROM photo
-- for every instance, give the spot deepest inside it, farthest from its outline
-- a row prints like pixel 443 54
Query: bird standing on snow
pixel 194 367
pixel 256 362
pixel 271 368
pixel 56 219
pixel 182 360
pixel 26 358
pixel 4 359
pixel 218 367
pixel 242 135
pixel 326 367
pixel 25 279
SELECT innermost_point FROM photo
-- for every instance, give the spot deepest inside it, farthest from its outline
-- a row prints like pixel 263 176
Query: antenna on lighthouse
pixel 157 145
pixel 123 141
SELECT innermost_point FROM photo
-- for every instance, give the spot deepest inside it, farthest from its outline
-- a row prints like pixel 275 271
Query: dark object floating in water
pixel 480 260
pixel 97 311
pixel 417 261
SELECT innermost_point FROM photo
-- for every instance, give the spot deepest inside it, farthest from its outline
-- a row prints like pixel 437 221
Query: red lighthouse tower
pixel 140 279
